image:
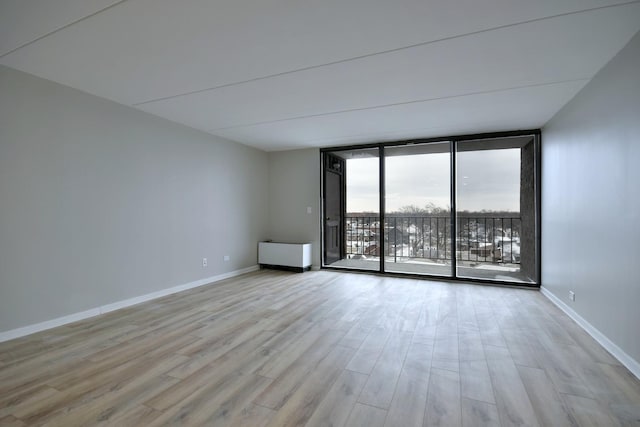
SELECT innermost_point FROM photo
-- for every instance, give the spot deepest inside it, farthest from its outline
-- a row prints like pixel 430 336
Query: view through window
pixel 484 229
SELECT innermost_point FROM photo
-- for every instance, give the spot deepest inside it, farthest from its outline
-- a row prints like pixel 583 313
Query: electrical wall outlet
pixel 204 262
pixel 572 295
pixel 226 258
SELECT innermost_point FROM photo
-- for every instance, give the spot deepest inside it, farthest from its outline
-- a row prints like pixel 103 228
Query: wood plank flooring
pixel 320 349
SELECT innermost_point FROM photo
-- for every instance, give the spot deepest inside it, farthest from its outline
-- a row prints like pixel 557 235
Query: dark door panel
pixel 333 208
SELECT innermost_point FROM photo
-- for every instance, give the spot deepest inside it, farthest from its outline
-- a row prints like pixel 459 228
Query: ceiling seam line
pixel 418 101
pixel 384 52
pixel 62 28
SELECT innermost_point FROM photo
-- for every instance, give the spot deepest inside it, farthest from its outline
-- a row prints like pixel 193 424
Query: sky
pixel 486 180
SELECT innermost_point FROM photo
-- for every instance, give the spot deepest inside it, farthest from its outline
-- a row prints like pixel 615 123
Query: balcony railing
pixel 479 238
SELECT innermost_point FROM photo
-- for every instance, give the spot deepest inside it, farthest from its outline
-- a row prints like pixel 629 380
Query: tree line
pixel 431 209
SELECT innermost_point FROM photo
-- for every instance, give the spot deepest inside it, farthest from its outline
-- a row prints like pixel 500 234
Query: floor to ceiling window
pixel 418 209
pixel 352 205
pixel 464 208
pixel 495 209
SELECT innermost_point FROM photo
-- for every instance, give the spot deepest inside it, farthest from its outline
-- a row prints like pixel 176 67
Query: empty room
pixel 331 213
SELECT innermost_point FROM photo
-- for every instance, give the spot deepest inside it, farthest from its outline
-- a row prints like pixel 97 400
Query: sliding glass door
pixel 495 209
pixel 462 208
pixel 352 205
pixel 417 232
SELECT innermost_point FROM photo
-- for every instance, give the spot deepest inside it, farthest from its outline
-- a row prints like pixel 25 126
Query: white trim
pixel 612 348
pixel 49 324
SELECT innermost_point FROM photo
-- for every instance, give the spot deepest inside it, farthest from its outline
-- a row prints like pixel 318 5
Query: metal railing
pixel 478 238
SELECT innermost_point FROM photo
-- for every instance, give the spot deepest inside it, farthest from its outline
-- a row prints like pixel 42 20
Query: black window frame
pixel 453 140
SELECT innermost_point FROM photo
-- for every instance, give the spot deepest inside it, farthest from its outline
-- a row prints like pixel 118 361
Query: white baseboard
pixel 49 324
pixel 631 364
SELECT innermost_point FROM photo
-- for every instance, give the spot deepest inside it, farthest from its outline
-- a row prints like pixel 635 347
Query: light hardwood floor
pixel 320 348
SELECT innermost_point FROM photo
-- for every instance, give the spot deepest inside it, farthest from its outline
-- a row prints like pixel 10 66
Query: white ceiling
pixel 281 74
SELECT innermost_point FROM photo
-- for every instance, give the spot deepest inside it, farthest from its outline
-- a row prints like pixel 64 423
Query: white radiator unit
pixel 288 256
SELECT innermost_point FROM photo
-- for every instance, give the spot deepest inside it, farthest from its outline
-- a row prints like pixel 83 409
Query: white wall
pixel 101 202
pixel 591 202
pixel 294 185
